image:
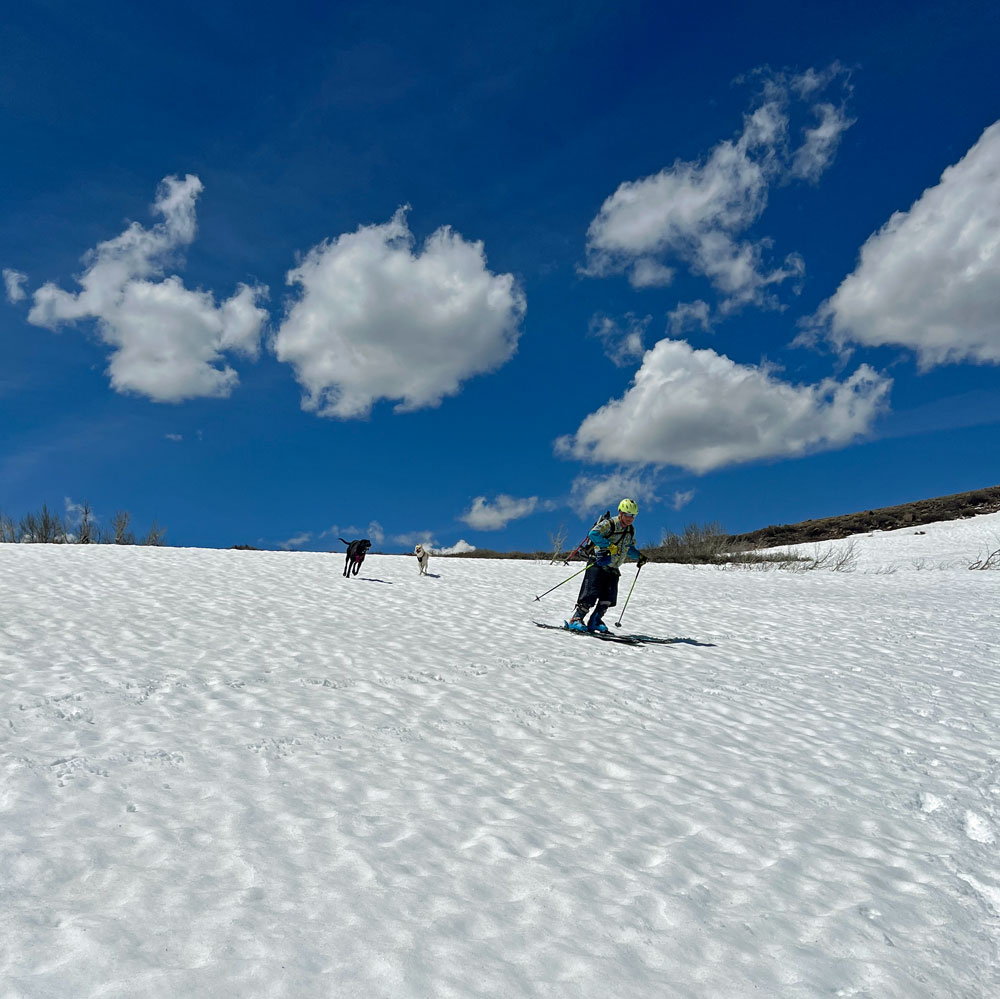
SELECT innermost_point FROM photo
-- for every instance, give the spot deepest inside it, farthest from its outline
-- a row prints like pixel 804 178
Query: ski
pixel 604 637
pixel 652 640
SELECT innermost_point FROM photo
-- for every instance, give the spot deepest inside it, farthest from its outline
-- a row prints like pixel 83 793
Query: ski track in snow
pixel 240 774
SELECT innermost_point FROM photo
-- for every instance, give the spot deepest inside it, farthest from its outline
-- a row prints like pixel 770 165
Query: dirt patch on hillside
pixel 888 518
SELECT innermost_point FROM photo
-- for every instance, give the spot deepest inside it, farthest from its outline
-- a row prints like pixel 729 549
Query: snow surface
pixel 238 774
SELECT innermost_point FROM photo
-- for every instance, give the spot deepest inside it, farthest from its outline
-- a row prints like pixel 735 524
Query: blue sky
pixel 275 275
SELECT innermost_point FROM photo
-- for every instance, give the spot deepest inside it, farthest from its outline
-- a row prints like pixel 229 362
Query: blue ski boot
pixel 596 622
pixel 576 625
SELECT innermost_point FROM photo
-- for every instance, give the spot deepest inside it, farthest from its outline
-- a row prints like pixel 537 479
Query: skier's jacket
pixel 614 542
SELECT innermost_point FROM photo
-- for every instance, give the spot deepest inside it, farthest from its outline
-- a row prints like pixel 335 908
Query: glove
pixel 613 549
pixel 641 560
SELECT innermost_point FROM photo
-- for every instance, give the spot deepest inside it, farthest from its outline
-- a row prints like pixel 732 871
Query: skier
pixel 613 542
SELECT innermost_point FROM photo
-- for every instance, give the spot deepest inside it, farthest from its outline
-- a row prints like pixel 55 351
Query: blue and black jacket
pixel 614 543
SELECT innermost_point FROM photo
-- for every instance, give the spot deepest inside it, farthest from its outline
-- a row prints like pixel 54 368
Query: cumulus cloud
pixel 168 341
pixel 456 549
pixel 623 341
pixel 14 283
pixel 929 279
pixel 598 492
pixel 426 538
pixel 699 410
pixel 375 320
pixel 485 516
pixel 696 212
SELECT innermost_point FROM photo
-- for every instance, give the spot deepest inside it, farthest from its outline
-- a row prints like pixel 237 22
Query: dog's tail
pixel 345 542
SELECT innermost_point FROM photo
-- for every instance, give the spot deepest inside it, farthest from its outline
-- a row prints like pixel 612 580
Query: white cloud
pixel 821 142
pixel 681 499
pixel 456 549
pixel 690 315
pixel 929 279
pixel 14 281
pixel 373 532
pixel 411 538
pixel 168 341
pixel 174 437
pixel 696 212
pixel 597 493
pixel 812 80
pixel 623 343
pixel 426 538
pixel 483 516
pixel 297 542
pixel 699 410
pixel 647 273
pixel 74 510
pixel 376 321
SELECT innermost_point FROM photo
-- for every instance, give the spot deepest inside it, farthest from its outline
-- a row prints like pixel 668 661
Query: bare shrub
pixel 155 536
pixel 835 559
pixel 558 540
pixel 764 561
pixel 86 531
pixel 120 531
pixel 44 528
pixel 697 544
pixel 988 561
pixel 843 559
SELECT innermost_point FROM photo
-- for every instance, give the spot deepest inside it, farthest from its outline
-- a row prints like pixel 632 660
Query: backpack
pixel 588 549
pixel 625 538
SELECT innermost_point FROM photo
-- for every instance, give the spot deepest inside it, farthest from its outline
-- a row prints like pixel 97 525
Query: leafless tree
pixel 120 529
pixel 156 535
pixel 558 540
pixel 85 532
pixel 43 528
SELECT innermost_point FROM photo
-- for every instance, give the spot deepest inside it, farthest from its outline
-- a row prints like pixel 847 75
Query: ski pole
pixel 566 580
pixel 618 623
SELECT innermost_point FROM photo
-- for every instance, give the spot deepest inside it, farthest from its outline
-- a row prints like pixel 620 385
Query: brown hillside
pixel 886 519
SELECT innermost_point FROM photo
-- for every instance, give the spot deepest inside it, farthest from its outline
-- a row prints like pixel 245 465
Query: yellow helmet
pixel 628 506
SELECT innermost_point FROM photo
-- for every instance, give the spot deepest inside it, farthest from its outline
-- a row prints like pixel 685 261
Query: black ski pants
pixel 599 586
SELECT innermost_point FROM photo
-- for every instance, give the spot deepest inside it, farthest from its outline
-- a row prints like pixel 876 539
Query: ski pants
pixel 600 586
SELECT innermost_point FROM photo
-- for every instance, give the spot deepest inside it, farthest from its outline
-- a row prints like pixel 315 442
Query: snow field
pixel 240 774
